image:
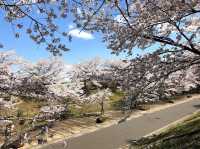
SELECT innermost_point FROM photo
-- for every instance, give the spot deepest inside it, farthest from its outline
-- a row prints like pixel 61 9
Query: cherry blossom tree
pixel 72 91
pixel 131 24
pixel 88 69
pixel 8 79
pixel 38 19
pixel 100 97
pixel 90 75
pixel 125 24
pixel 172 25
pixel 110 77
pixel 191 81
pixel 37 79
pixel 89 72
pixel 154 77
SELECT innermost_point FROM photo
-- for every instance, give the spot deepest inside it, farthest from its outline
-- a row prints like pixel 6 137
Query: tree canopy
pixel 173 26
pixel 125 24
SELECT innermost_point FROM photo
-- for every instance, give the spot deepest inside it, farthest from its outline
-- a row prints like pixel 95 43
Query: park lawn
pixel 29 108
pixel 184 135
pixel 116 100
pixel 24 109
pixel 117 95
pixel 112 104
pixel 78 111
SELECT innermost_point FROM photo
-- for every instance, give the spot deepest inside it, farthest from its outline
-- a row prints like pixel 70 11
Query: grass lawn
pixel 185 135
pixel 30 108
pixel 114 103
pixel 116 100
pixel 24 109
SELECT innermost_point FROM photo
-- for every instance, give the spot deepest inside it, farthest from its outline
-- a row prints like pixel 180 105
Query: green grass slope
pixel 185 135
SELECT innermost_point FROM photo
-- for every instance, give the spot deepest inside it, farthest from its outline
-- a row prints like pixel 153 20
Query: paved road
pixel 114 136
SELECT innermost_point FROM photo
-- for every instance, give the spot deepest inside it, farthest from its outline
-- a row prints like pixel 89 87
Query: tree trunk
pixel 102 108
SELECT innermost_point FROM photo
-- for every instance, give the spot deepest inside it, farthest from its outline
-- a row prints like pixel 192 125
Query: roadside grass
pixel 185 135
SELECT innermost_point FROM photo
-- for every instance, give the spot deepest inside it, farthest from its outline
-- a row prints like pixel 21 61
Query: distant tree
pixel 71 91
pixel 111 68
pixel 192 80
pixel 89 72
pixel 100 97
pixel 36 79
pixel 8 79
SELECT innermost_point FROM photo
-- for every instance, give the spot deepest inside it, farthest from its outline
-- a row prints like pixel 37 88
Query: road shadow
pixel 197 106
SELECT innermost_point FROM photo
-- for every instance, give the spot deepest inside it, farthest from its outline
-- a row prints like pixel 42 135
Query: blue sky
pixel 83 46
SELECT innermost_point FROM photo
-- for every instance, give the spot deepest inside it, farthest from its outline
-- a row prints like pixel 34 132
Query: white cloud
pixel 71 26
pixel 80 34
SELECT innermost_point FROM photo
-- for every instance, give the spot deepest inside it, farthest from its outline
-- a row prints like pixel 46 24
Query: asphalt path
pixel 116 135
